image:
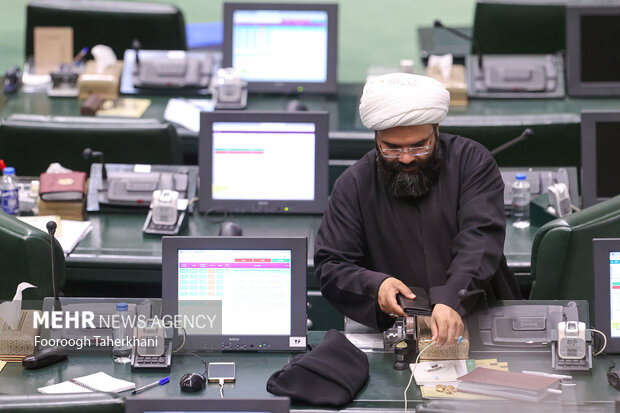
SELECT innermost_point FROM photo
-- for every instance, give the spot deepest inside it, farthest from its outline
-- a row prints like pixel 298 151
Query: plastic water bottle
pixel 122 349
pixel 8 191
pixel 521 202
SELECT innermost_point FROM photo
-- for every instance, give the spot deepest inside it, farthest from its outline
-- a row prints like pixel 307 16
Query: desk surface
pixel 117 241
pixel 384 389
pixel 343 108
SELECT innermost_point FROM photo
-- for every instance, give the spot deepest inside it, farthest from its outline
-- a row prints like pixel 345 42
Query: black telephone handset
pixel 420 305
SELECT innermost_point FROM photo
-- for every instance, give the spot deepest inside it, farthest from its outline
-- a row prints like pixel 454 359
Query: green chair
pixel 562 265
pixel 25 256
pixel 112 23
pixel 30 143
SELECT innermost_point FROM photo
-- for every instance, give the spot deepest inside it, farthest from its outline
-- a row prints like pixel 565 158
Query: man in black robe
pixel 422 209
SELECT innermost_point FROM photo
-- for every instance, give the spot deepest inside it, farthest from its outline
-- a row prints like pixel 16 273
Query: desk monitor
pixel 600 169
pixel 184 405
pixel 606 257
pixel 592 55
pixel 282 47
pixel 263 162
pixel 237 293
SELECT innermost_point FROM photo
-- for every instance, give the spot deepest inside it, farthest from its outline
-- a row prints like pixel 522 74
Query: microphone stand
pixel 525 135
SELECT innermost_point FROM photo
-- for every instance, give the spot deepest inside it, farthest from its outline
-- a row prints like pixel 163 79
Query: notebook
pixel 507 384
pixel 93 382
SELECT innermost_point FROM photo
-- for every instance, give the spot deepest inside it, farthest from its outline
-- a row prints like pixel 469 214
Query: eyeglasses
pixel 393 153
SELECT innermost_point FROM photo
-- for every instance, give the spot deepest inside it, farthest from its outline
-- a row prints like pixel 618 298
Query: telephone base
pixel 150 227
pixel 153 362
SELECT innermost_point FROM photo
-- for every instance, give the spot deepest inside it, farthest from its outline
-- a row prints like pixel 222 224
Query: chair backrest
pixel 562 264
pixel 112 23
pixel 25 256
pixel 31 143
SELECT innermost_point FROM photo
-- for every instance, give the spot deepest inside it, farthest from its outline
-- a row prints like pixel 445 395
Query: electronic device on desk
pixel 253 290
pixel 133 185
pixel 153 347
pixel 12 80
pixel 306 62
pixel 64 81
pixel 167 213
pixel 192 404
pixel 229 90
pixel 592 62
pixel 600 168
pixel 540 179
pixel 571 351
pixel 167 71
pixel 559 199
pixel 279 183
pixel 515 76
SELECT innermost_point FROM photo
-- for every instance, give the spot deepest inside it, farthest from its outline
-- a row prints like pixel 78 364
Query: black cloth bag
pixel 330 374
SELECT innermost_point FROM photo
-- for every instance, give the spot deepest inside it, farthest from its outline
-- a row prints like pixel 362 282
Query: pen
pixel 81 54
pixel 155 383
pixel 540 373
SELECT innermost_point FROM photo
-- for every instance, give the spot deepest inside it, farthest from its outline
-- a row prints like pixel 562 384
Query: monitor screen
pixel 600 140
pixel 593 64
pixel 237 294
pixel 253 162
pixel 199 405
pixel 282 48
pixel 606 257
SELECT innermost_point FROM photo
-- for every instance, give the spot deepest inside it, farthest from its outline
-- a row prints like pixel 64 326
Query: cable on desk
pixel 216 220
pixel 413 371
pixel 183 343
pixel 203 362
pixel 221 381
pixel 604 341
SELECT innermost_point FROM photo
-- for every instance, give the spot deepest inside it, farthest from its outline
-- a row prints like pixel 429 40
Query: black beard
pixel 410 184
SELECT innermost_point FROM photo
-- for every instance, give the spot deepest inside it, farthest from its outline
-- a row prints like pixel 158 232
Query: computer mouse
pixel 192 382
pixel 295 106
pixel 230 229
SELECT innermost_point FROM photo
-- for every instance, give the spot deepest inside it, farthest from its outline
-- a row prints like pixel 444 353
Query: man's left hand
pixel 446 325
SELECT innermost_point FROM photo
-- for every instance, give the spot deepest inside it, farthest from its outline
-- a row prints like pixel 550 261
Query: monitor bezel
pixel 330 85
pixel 575 86
pixel 275 343
pixel 589 120
pixel 601 247
pixel 262 206
pixel 185 404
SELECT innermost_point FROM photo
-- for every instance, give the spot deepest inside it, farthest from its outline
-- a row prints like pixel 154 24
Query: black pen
pixel 155 383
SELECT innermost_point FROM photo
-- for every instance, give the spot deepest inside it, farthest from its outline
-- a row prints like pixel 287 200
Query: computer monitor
pixel 283 47
pixel 237 293
pixel 263 162
pixel 592 56
pixel 606 257
pixel 600 169
pixel 185 405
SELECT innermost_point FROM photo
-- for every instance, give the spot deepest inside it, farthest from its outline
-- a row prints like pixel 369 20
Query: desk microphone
pixel 136 45
pixel 525 135
pixel 474 42
pixel 465 294
pixel 90 154
pixel 51 230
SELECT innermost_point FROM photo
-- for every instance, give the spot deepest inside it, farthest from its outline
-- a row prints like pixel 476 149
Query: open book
pixel 93 382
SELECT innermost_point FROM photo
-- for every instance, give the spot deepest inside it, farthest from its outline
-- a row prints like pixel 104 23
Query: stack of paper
pixel 68 233
pixel 507 384
pixel 94 382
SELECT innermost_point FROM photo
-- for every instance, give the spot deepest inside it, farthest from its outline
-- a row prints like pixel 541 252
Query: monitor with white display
pixel 592 57
pixel 600 169
pixel 282 47
pixel 606 256
pixel 263 162
pixel 237 293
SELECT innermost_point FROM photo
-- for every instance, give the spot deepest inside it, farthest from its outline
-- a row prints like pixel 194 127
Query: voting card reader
pixel 153 347
pixel 166 215
pixel 572 347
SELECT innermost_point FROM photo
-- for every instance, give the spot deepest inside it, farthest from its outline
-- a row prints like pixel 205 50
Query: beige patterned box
pixel 457 352
pixel 21 340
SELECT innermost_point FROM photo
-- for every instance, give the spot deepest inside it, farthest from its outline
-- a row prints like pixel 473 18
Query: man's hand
pixel 388 290
pixel 446 325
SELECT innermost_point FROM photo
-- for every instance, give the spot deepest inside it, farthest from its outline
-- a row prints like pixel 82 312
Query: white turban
pixel 403 99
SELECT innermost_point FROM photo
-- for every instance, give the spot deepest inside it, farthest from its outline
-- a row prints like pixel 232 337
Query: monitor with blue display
pixel 282 47
pixel 606 257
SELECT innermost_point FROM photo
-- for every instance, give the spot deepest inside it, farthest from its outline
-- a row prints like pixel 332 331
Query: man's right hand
pixel 389 288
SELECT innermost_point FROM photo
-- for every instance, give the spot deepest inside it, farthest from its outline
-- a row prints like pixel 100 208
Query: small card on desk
pixel 67 186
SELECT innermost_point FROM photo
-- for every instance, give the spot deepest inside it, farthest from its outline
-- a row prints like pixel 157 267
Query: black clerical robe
pixel 450 239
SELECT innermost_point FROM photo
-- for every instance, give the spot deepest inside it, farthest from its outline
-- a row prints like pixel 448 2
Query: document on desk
pixel 2 364
pixel 186 112
pixel 68 234
pixel 91 383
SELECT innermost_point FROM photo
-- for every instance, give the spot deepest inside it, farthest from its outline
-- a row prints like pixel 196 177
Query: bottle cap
pixel 122 306
pixel 9 170
pixel 520 177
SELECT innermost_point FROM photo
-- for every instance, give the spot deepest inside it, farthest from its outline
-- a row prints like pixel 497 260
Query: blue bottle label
pixel 10 203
